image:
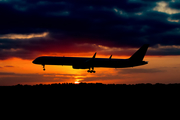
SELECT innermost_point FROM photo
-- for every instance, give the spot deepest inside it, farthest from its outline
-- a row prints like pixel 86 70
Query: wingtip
pixel 94 55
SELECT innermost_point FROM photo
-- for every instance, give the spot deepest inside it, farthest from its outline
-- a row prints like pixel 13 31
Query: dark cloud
pixel 7 73
pixel 8 66
pixel 139 70
pixel 72 23
pixel 11 78
pixel 175 5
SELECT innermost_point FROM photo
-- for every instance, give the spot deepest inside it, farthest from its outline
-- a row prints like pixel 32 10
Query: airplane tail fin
pixel 139 55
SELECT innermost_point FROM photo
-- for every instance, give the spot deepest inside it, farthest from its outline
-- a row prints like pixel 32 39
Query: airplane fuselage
pixel 87 63
pixel 84 63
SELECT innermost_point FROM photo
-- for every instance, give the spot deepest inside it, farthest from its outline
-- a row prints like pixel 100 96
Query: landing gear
pixel 44 67
pixel 91 71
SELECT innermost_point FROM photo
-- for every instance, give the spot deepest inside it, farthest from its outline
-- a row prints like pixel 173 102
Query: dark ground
pixel 90 100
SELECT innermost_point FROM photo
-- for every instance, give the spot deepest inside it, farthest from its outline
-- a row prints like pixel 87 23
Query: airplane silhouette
pixel 87 63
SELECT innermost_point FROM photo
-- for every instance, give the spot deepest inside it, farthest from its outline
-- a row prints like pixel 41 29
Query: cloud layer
pixel 33 27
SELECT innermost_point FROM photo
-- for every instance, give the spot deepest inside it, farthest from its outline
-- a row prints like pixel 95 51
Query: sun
pixel 76 82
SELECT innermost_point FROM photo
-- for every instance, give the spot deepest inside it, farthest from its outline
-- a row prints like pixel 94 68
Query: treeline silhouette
pixel 86 93
pixel 149 85
pixel 61 88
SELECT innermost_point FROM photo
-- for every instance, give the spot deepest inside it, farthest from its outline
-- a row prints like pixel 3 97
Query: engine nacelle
pixel 80 67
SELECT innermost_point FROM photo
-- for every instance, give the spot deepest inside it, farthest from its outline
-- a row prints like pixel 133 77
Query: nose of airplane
pixel 34 61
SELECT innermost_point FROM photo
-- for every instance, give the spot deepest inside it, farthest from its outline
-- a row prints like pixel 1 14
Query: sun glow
pixel 76 82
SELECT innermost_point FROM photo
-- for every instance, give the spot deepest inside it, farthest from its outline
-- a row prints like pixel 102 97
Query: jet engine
pixel 80 67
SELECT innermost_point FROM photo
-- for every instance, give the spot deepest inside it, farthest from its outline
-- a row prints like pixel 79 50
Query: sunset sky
pixel 33 28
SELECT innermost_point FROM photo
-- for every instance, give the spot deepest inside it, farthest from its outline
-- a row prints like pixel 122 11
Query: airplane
pixel 90 63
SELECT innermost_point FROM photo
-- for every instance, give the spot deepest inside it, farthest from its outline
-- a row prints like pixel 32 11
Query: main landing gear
pixel 91 71
pixel 44 67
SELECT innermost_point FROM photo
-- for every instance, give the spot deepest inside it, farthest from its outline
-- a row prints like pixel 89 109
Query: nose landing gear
pixel 44 67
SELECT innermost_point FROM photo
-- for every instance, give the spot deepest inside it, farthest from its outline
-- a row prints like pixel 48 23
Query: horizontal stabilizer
pixel 139 55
